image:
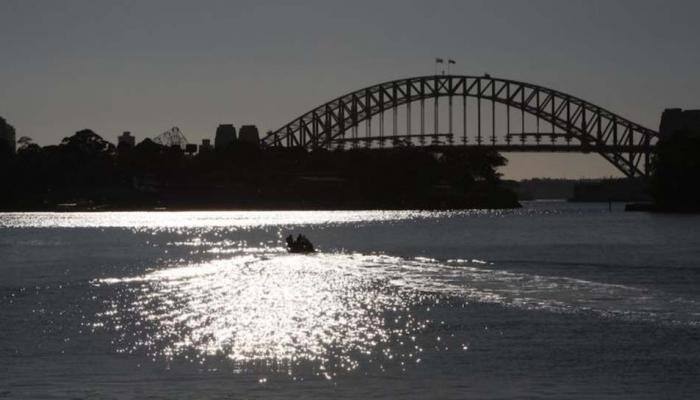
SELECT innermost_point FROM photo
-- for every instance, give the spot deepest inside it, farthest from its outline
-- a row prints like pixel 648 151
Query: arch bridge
pixel 468 111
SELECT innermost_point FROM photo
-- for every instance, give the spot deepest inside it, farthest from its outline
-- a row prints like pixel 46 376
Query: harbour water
pixel 553 300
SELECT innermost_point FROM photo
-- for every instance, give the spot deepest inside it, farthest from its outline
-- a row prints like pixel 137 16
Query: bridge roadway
pixel 445 140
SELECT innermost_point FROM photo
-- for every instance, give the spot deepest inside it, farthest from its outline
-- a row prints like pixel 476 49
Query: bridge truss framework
pixel 531 118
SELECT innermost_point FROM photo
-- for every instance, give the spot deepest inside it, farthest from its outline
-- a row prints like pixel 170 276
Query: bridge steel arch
pixel 575 125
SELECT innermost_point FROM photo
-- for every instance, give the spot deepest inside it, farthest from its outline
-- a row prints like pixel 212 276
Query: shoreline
pixel 205 209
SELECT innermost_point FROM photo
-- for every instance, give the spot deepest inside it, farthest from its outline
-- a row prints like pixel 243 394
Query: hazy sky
pixel 146 66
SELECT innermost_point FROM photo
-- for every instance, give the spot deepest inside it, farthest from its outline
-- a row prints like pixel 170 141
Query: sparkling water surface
pixel 554 300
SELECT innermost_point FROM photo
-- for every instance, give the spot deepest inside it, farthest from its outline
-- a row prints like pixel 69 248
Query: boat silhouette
pixel 299 245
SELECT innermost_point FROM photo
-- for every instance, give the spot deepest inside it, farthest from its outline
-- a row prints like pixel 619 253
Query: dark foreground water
pixel 551 301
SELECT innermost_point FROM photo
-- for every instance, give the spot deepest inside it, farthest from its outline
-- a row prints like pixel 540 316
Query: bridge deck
pixel 446 140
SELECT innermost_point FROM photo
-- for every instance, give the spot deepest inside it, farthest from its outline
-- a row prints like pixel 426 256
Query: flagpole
pixel 439 61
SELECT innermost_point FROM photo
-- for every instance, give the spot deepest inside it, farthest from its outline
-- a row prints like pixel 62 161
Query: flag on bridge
pixel 439 60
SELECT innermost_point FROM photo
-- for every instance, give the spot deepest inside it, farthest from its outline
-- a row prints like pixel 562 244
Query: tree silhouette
pixel 86 169
pixel 88 142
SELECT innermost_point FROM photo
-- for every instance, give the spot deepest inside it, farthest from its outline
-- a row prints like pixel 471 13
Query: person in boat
pixel 299 245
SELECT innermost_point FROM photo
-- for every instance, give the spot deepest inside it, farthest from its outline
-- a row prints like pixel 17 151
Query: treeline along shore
pixel 86 172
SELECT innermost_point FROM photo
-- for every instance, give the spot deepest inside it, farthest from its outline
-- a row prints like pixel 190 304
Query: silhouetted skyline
pixel 144 67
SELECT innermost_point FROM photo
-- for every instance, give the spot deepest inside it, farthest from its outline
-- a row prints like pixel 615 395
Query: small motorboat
pixel 299 245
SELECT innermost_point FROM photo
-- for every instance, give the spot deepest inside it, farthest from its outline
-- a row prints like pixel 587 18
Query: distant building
pixel 7 134
pixel 126 140
pixel 190 148
pixel 205 146
pixel 676 119
pixel 249 134
pixel 225 135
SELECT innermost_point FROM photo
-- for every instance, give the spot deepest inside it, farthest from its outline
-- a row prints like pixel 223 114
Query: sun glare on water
pixel 254 303
pixel 287 308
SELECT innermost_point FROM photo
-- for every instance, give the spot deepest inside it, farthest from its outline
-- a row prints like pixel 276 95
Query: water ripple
pixel 336 310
